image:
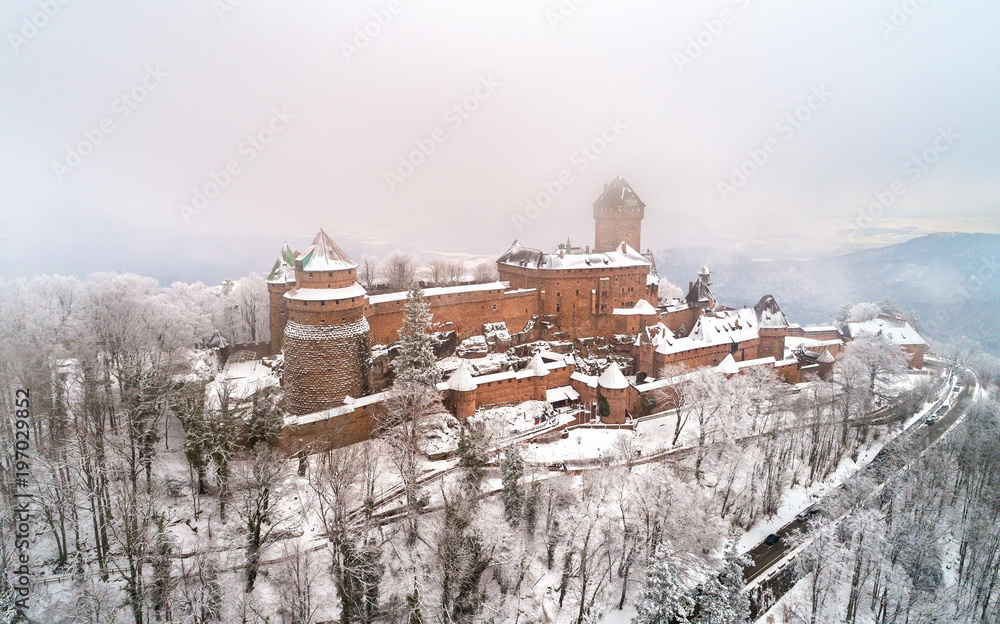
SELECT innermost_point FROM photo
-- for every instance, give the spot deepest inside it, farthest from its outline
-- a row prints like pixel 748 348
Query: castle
pixel 325 324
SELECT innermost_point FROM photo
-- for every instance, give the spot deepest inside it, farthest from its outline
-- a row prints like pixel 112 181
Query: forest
pixel 157 494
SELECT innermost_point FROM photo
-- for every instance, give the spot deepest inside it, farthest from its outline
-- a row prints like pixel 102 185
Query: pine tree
pixel 531 503
pixel 472 458
pixel 722 600
pixel 162 580
pixel 416 363
pixel 663 599
pixel 511 471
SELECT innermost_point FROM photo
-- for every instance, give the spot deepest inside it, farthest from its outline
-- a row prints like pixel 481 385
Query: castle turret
pixel 826 362
pixel 280 280
pixel 462 392
pixel 537 367
pixel 618 214
pixel 613 387
pixel 327 338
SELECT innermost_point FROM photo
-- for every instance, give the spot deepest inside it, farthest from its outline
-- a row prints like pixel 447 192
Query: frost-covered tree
pixel 663 600
pixel 485 272
pixel 722 600
pixel 399 271
pixel 416 363
pixel 414 396
pixel 511 471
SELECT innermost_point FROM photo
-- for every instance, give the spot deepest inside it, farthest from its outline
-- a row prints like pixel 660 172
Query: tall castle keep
pixel 326 339
pixel 618 214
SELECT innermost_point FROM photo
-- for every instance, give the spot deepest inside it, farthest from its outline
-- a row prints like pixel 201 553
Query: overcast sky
pixel 672 95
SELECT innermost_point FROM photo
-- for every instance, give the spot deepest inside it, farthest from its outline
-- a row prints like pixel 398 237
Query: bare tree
pixel 368 272
pixel 446 272
pixel 257 474
pixel 399 271
pixel 485 272
pixel 252 301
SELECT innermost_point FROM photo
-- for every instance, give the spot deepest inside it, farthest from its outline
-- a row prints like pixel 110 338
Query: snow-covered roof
pixel 769 315
pixel 612 378
pixel 642 307
pixel 304 419
pixel 712 329
pixel 618 194
pixel 437 291
pixel 728 366
pixel 324 255
pixel 895 330
pixel 767 361
pixel 587 380
pixel 461 380
pixel 622 256
pixel 826 357
pixel 326 294
pixel 562 393
pixel 537 366
pixel 283 271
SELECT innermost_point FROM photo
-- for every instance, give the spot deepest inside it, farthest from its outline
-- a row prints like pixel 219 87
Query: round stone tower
pixel 326 340
pixel 280 280
pixel 614 388
pixel 462 391
pixel 618 214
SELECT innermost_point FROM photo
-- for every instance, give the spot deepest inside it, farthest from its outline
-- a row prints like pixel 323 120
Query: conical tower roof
pixel 325 255
pixel 283 270
pixel 612 378
pixel 461 380
pixel 618 194
pixel 826 357
pixel 537 366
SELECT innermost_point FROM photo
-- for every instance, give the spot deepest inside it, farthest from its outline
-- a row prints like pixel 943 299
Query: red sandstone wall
pixel 336 432
pixel 772 343
pixel 278 314
pixel 708 356
pixel 579 298
pixel 467 312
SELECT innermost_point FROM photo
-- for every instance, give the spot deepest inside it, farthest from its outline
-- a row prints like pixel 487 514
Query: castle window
pixel 330 274
pixel 322 303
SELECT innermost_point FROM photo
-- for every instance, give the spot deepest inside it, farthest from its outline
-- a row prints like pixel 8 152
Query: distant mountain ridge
pixel 950 281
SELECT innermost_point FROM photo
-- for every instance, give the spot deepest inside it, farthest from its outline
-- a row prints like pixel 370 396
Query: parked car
pixel 772 539
pixel 930 421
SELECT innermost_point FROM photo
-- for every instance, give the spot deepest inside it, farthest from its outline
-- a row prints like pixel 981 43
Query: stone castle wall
pixel 323 364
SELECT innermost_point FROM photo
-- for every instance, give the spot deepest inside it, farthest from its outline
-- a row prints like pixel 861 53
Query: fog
pixel 188 140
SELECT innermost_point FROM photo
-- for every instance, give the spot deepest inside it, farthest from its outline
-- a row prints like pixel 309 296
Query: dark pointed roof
pixel 618 194
pixel 769 315
pixel 325 255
